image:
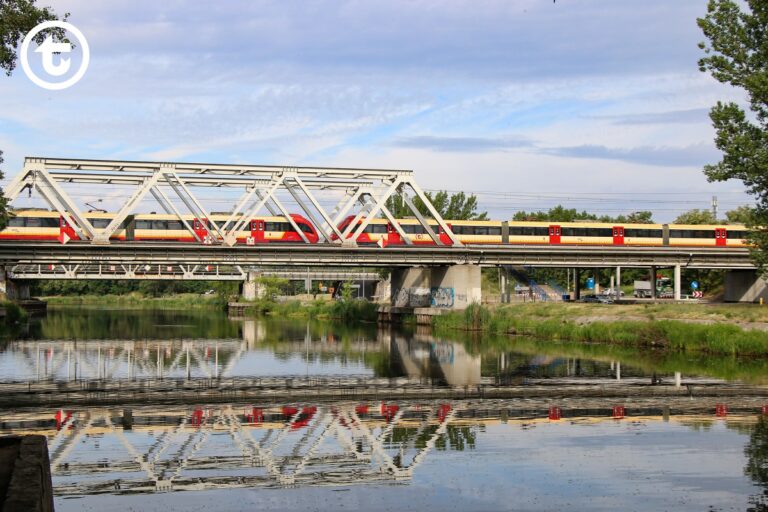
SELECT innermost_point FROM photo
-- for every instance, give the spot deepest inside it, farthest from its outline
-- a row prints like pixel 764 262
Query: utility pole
pixel 714 207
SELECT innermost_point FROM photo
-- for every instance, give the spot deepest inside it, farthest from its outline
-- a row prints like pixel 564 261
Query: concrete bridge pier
pixel 253 288
pixel 745 286
pixel 453 287
pixel 12 290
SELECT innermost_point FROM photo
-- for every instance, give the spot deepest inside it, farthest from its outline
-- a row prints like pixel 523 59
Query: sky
pixel 593 104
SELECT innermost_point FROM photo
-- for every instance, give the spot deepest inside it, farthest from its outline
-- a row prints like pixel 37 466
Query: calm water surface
pixel 409 455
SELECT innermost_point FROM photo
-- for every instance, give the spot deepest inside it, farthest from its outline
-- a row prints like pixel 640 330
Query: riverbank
pixel 139 301
pixel 348 310
pixel 681 328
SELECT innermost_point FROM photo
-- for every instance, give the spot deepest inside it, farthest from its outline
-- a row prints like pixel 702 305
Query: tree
pixel 740 215
pixel 561 214
pixel 3 200
pixel 736 53
pixel 695 216
pixel 17 18
pixel 458 206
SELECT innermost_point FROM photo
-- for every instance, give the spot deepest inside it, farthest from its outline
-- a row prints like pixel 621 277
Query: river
pixel 572 427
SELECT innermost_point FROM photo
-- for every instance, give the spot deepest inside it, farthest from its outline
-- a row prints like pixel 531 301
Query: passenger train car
pixel 47 225
pixel 380 231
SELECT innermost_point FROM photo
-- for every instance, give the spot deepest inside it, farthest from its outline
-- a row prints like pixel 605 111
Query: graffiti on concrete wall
pixel 442 298
pixel 419 297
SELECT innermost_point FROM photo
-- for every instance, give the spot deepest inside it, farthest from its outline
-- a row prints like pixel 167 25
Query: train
pixel 44 225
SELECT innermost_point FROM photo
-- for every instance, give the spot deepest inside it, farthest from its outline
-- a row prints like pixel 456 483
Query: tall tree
pixel 17 17
pixel 3 200
pixel 736 53
pixel 458 206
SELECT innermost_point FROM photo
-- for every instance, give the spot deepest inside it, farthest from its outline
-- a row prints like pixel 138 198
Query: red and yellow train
pixel 46 225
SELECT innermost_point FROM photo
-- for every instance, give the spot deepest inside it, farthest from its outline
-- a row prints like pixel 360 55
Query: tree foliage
pixel 561 214
pixel 740 215
pixel 458 206
pixel 17 17
pixel 3 200
pixel 736 53
pixel 696 216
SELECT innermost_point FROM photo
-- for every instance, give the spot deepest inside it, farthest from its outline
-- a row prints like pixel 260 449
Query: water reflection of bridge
pixel 97 451
pixel 418 357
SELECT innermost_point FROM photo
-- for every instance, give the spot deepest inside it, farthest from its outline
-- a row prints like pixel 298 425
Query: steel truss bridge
pixel 325 195
pixel 360 193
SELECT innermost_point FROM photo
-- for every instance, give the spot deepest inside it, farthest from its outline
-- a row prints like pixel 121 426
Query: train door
pixel 393 237
pixel 200 227
pixel 554 234
pixel 257 230
pixel 618 235
pixel 721 236
pixel 444 238
pixel 66 232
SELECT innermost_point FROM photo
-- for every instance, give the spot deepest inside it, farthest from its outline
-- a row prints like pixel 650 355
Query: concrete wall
pixel 453 287
pixel 744 286
pixel 12 290
pixel 252 287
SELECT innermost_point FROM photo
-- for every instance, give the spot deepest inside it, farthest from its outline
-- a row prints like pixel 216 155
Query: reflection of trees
pixel 456 438
pixel 757 464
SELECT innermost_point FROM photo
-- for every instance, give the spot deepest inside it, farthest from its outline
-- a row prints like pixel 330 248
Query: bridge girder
pixel 308 255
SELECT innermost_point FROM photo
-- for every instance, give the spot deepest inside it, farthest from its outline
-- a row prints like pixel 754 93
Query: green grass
pixel 553 322
pixel 13 313
pixel 136 300
pixel 349 310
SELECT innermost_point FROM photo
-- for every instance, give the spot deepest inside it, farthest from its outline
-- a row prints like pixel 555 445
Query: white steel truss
pixel 171 272
pixel 362 193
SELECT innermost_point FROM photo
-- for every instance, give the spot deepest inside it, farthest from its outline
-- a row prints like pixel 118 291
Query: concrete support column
pixel 677 282
pixel 12 290
pixel 252 287
pixel 618 283
pixel 745 286
pixel 454 287
pixel 576 284
pixel 653 282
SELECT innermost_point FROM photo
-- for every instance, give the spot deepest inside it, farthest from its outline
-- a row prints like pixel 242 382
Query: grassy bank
pixel 566 323
pixel 348 310
pixel 139 301
pixel 13 313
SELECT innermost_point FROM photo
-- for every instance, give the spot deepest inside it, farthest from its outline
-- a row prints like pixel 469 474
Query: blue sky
pixel 529 103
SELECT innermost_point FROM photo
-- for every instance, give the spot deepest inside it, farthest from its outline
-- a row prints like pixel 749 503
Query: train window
pixel 494 231
pixel 34 222
pixel 481 230
pixel 97 223
pixel 160 225
pixel 305 227
pixel 175 225
pixel 459 230
pixel 376 228
pixel 143 224
pixel 736 234
pixel 16 222
pixel 272 226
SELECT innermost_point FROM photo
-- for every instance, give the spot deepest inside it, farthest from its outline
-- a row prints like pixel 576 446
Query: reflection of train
pixel 46 225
